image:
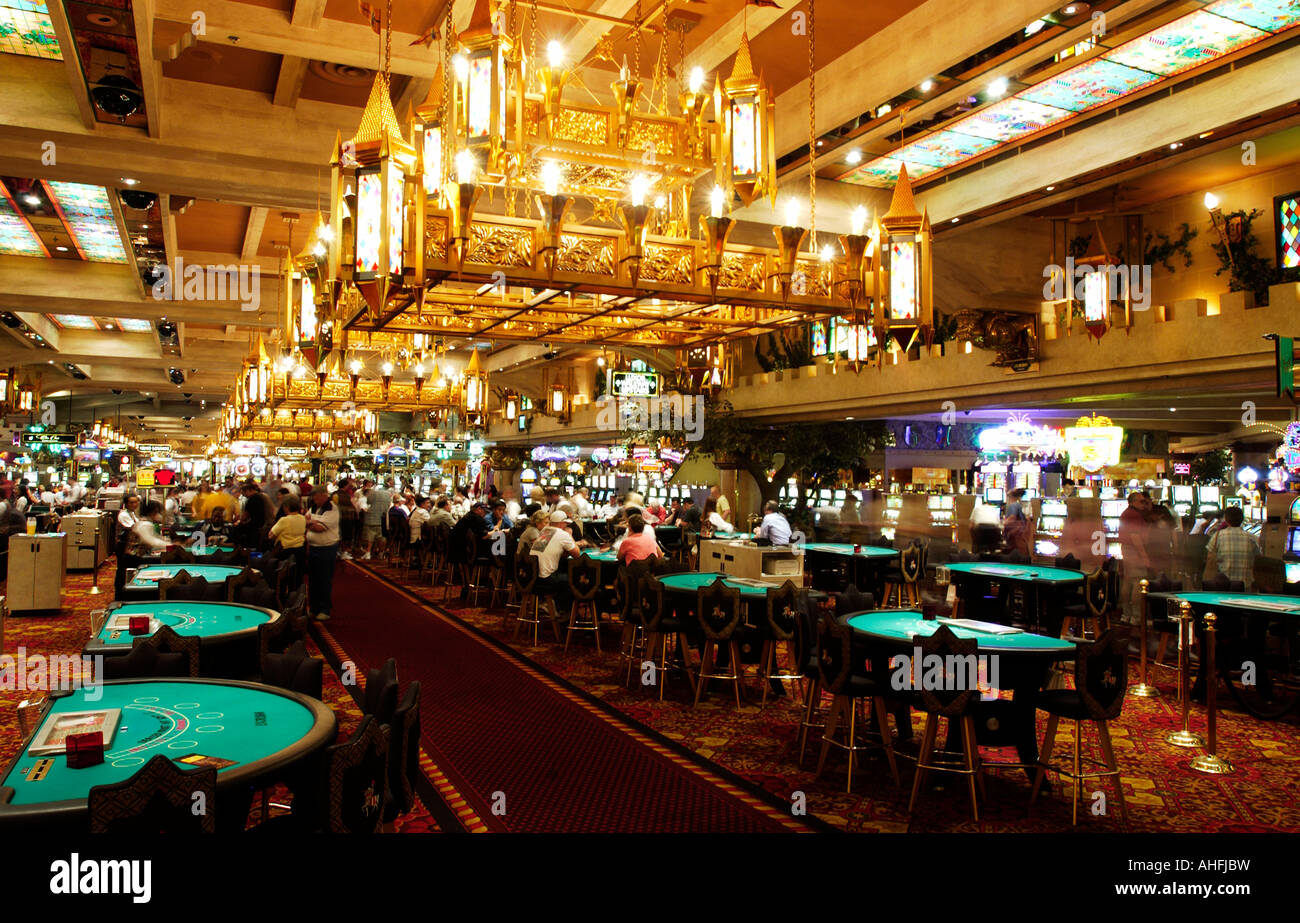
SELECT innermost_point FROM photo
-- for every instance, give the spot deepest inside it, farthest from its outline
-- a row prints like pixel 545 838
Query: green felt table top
pixel 239 722
pixel 864 551
pixel 1028 572
pixel 149 575
pixel 1260 602
pixel 608 557
pixel 691 582
pixel 190 619
pixel 204 550
pixel 904 625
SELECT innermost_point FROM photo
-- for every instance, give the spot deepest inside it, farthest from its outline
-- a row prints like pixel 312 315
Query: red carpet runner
pixel 513 749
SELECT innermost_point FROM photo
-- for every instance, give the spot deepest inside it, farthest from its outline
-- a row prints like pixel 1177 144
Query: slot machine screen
pixel 1293 542
pixel 1184 493
pixel 995 495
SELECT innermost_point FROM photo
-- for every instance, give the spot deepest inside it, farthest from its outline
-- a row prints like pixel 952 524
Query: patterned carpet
pixel 66 632
pixel 758 745
pixel 524 751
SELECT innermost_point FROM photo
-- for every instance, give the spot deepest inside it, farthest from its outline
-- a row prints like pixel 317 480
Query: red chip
pixel 85 749
pixel 138 625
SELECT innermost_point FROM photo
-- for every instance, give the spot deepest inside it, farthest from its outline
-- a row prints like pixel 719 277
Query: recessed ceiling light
pixel 848 418
pixel 1050 188
pixel 1205 134
pixel 144 226
pixel 108 326
pixel 955 220
pixel 61 249
pixel 819 142
pixel 997 87
pixel 1175 146
pixel 927 86
pixel 1071 10
pixel 854 156
pixel 883 110
pixel 1173 409
pixel 129 181
pixel 32 199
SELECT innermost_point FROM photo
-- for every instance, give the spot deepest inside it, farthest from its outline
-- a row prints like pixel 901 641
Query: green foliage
pixel 1161 253
pixel 945 328
pixel 1248 270
pixel 814 453
pixel 1078 246
pixel 783 351
pixel 1212 467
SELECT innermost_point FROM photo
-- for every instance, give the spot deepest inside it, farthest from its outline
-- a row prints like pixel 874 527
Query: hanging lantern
pixel 1106 303
pixel 481 74
pixel 475 386
pixel 904 272
pixel 511 407
pixel 744 108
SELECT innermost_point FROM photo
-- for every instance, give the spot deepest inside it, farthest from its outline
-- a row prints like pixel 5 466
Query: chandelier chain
pixel 636 44
pixel 812 124
pixel 388 40
pixel 681 57
pixel 532 38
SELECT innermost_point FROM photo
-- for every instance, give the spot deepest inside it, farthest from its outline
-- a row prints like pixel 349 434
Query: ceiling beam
pixel 288 84
pixel 76 81
pixel 253 233
pixel 150 67
pixel 307 13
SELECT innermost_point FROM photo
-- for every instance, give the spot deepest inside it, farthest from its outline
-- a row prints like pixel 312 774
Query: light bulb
pixel 555 55
pixel 640 186
pixel 927 86
pixel 997 87
pixel 828 254
pixel 461 64
pixel 791 212
pixel 697 80
pixel 716 199
pixel 419 370
pixel 853 158
pixel 1211 201
pixel 465 167
pixel 324 232
pixel 355 366
pixel 859 220
pixel 600 361
pixel 318 250
pixel 387 368
pixel 551 177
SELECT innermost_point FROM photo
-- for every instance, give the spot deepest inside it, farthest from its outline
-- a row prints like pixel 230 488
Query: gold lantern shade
pixel 475 386
pixel 482 116
pixel 744 109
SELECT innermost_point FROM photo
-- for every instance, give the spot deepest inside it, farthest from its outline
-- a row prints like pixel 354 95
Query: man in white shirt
pixel 583 504
pixel 775 527
pixel 551 546
pixel 419 516
pixel 513 509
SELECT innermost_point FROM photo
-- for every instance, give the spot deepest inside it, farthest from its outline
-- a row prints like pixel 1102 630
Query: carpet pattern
pixel 759 745
pixel 525 751
pixel 66 632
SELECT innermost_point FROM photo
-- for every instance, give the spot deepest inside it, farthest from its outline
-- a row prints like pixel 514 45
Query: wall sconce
pixel 552 77
pixel 627 90
pixel 693 104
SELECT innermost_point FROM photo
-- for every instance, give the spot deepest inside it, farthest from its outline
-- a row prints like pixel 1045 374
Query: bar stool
pixel 835 662
pixel 911 569
pixel 783 605
pixel 627 603
pixel 442 566
pixel 717 607
pixel 584 584
pixel 1094 608
pixel 530 603
pixel 1100 687
pixel 477 568
pixel 661 625
pixel 957 704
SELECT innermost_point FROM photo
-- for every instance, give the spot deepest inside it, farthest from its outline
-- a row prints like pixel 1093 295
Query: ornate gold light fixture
pixel 904 277
pixel 744 108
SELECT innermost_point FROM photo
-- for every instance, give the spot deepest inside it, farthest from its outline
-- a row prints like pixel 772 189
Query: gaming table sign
pixel 633 384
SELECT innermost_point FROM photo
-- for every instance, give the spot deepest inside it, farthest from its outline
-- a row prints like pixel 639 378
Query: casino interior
pixel 650 416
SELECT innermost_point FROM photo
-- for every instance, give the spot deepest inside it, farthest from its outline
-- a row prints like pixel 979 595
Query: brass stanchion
pixel 1211 762
pixel 94 581
pixel 1143 690
pixel 1184 737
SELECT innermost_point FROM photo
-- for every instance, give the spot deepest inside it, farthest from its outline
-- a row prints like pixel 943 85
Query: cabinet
pixel 769 563
pixel 37 566
pixel 87 538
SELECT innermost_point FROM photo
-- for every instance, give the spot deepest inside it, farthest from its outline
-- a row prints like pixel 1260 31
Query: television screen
pixel 995 495
pixel 86 456
pixel 1184 493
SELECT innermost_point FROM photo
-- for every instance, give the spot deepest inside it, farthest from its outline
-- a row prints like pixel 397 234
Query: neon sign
pixel 1021 437
pixel 1094 443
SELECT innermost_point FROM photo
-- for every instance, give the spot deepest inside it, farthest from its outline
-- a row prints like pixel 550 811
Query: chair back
pixel 834 652
pixel 783 605
pixel 526 573
pixel 650 602
pixel 175 554
pixel 851 600
pixel 357 778
pixel 178 586
pixel 404 751
pixel 627 587
pixel 260 594
pixel 237 556
pixel 1270 575
pixel 911 561
pixel 1069 562
pixel 1219 582
pixel 441 539
pixel 960 687
pixel 1163 584
pixel 145 661
pixel 1101 673
pixel 294 669
pixel 159 798
pixel 717 606
pixel 584 577
pixel 380 697
pixel 245 579
pixel 479 547
pixel 1096 593
pixel 166 641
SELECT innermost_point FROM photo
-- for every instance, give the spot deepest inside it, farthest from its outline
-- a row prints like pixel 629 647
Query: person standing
pixel 1231 551
pixel 721 502
pixel 1015 525
pixel 322 552
pixel 377 501
pixel 254 519
pixel 127 517
pixel 1133 529
pixel 290 530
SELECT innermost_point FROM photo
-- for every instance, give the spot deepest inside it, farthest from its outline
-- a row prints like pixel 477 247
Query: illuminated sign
pixel 291 451
pixel 431 446
pixel 1289 451
pixel 556 452
pixel 144 477
pixel 633 384
pixel 1247 475
pixel 149 448
pixel 49 439
pixel 1094 443
pixel 244 447
pixel 1182 467
pixel 1020 437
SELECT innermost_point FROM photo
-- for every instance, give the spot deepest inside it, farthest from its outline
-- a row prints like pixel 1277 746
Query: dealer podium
pixel 37 566
pixel 87 538
pixel 773 564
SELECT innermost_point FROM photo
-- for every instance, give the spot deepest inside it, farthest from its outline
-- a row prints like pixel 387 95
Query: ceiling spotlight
pixel 61 249
pixel 32 200
pixel 1175 146
pixel 955 220
pixel 927 86
pixel 1035 27
pixel 1205 134
pixel 854 156
pixel 883 110
pixel 130 181
pixel 997 88
pixel 108 327
pixel 1050 188
pixel 1173 409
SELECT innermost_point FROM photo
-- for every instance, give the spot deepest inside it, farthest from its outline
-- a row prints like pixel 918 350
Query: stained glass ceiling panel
pixel 1010 118
pixel 1269 15
pixel 25 29
pixel 943 148
pixel 90 218
pixel 1090 84
pixel 883 171
pixel 16 236
pixel 134 324
pixel 1194 39
pixel 74 321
